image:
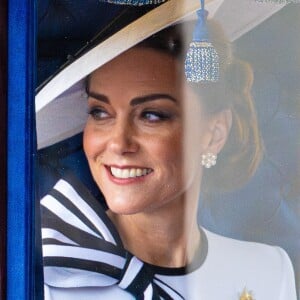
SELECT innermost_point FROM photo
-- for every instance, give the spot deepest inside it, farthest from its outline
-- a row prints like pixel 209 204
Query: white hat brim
pixel 61 109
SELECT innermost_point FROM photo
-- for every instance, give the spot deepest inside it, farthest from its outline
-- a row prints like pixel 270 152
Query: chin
pixel 123 206
pixel 123 211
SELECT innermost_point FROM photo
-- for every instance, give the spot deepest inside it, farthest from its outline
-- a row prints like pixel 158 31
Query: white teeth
pixel 132 173
pixel 129 173
pixel 125 173
pixel 139 172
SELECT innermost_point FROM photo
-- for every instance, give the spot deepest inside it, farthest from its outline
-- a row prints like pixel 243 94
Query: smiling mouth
pixel 126 173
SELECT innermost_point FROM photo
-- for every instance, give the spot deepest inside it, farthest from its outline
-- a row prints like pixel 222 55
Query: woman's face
pixel 134 138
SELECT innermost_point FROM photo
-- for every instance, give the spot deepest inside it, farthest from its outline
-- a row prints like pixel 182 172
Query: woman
pixel 148 138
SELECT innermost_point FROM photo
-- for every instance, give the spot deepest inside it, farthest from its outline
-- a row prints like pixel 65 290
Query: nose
pixel 123 138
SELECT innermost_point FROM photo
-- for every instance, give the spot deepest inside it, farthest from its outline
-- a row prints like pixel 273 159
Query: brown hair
pixel 243 150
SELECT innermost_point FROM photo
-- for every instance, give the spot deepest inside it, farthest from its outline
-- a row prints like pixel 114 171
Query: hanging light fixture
pixel 202 60
pixel 134 2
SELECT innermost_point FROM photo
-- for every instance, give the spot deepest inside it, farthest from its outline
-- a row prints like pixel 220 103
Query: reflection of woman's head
pixel 241 155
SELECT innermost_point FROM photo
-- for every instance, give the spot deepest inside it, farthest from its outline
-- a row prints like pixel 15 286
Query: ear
pixel 220 125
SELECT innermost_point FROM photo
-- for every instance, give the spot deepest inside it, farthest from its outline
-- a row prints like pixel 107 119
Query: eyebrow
pixel 151 97
pixel 99 97
pixel 136 100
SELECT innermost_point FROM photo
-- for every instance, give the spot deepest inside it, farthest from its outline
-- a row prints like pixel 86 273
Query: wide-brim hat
pixel 61 109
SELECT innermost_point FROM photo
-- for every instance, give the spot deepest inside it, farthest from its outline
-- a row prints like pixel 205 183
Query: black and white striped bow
pixel 82 248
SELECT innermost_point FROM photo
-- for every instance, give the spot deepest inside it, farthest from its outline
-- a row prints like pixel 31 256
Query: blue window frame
pixel 20 149
pixel 3 87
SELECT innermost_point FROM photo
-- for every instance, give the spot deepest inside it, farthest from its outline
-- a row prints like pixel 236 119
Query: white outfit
pixel 225 267
pixel 230 266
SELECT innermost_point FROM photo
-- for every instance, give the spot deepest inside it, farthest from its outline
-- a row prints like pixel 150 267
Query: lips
pixel 126 173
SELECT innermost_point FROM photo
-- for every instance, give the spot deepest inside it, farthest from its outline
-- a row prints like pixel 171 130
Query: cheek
pixel 91 142
pixel 170 145
pixel 169 151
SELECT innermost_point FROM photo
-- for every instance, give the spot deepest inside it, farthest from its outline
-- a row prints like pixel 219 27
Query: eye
pixel 98 113
pixel 156 116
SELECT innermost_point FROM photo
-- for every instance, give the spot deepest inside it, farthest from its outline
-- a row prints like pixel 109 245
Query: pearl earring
pixel 209 160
